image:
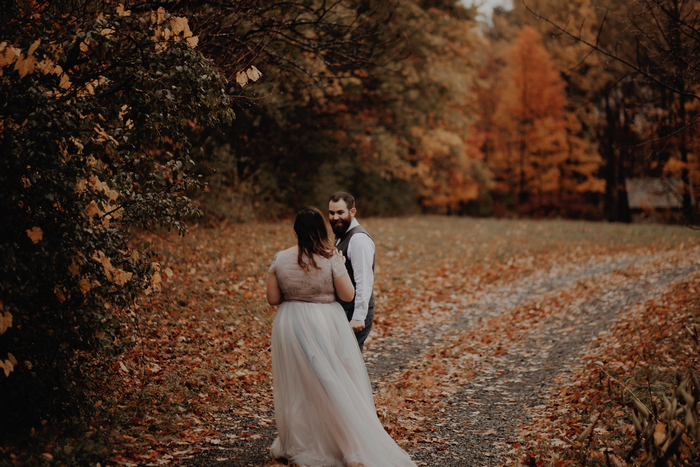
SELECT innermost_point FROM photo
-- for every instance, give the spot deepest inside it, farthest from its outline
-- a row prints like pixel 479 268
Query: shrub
pixel 97 106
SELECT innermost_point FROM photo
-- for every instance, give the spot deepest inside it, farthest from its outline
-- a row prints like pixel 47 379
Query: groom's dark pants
pixel 362 335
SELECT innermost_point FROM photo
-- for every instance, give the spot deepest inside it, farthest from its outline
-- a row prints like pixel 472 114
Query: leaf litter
pixel 462 336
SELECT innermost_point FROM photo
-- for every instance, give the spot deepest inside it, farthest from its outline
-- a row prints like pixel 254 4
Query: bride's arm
pixel 274 294
pixel 344 288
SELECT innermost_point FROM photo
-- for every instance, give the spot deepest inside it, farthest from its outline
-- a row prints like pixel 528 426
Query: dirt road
pixel 482 419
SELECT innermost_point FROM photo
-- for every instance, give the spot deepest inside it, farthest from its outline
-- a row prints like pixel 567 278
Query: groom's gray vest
pixel 342 246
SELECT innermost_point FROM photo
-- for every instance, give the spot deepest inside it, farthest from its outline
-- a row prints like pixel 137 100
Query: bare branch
pixel 636 67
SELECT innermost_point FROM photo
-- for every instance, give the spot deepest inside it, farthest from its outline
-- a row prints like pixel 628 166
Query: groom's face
pixel 340 216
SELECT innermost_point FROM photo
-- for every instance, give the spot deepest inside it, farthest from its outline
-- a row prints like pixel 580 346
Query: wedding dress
pixel 324 407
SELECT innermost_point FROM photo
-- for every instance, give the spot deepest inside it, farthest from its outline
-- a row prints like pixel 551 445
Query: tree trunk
pixel 610 168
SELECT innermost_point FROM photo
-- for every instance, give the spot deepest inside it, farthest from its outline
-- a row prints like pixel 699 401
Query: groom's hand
pixel 357 325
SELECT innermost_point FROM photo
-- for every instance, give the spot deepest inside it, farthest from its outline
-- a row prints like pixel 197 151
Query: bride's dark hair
pixel 312 236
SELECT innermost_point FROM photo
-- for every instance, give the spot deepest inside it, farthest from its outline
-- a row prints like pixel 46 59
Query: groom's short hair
pixel 347 197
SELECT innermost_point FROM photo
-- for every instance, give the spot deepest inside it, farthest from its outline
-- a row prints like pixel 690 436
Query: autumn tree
pixel 414 118
pixel 537 147
pixel 285 151
pixel 98 106
pixel 651 46
pixel 670 33
pixel 592 86
pixel 373 97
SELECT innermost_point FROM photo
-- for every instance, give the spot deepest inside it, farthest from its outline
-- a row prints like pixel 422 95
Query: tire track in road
pixel 386 358
pixel 482 418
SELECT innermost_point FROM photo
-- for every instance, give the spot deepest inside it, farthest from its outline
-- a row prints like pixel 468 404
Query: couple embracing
pixel 324 406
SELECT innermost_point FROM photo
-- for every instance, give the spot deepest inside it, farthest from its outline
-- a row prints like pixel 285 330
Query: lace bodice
pixel 313 286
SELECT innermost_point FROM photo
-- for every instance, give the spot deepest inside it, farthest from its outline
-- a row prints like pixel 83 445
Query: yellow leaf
pixel 192 41
pixel 5 322
pixel 155 282
pixel 9 56
pixel 5 367
pixel 35 234
pixel 659 433
pixel 168 273
pixel 111 194
pixel 64 83
pixel 81 185
pixel 99 334
pixel 177 25
pixel 121 277
pixel 187 33
pixel 117 213
pixel 46 66
pixel 84 285
pixel 106 263
pixel 253 73
pixel 121 11
pixel 25 65
pixel 92 209
pixel 12 358
pixel 74 268
pixel 33 47
pixel 242 78
pixel 11 53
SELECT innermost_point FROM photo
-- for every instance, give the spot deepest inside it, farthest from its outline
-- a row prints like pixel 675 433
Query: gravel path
pixel 510 385
pixel 481 419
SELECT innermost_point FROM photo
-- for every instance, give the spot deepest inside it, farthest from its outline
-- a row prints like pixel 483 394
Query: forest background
pixel 124 117
pixel 437 112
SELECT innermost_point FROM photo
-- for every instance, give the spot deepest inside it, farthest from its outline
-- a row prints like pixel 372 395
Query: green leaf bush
pixel 98 106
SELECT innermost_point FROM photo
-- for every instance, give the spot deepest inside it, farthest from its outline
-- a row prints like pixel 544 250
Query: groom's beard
pixel 340 226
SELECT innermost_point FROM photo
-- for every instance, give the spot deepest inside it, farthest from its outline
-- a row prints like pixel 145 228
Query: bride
pixel 323 400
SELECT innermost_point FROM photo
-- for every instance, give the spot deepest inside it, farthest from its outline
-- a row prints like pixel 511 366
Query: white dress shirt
pixel 361 254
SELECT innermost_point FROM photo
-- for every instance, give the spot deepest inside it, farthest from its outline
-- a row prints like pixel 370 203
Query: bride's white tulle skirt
pixel 323 399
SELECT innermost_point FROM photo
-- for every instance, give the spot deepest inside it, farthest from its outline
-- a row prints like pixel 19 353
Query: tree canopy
pixel 98 106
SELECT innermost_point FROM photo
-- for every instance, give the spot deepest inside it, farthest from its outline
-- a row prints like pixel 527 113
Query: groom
pixel 358 249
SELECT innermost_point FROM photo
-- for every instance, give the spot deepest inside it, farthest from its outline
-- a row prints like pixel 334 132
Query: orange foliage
pixel 537 149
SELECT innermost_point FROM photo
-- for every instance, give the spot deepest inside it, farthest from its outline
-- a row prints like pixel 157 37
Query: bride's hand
pixel 340 253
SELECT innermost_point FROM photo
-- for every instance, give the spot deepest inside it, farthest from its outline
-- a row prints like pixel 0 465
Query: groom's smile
pixel 339 217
